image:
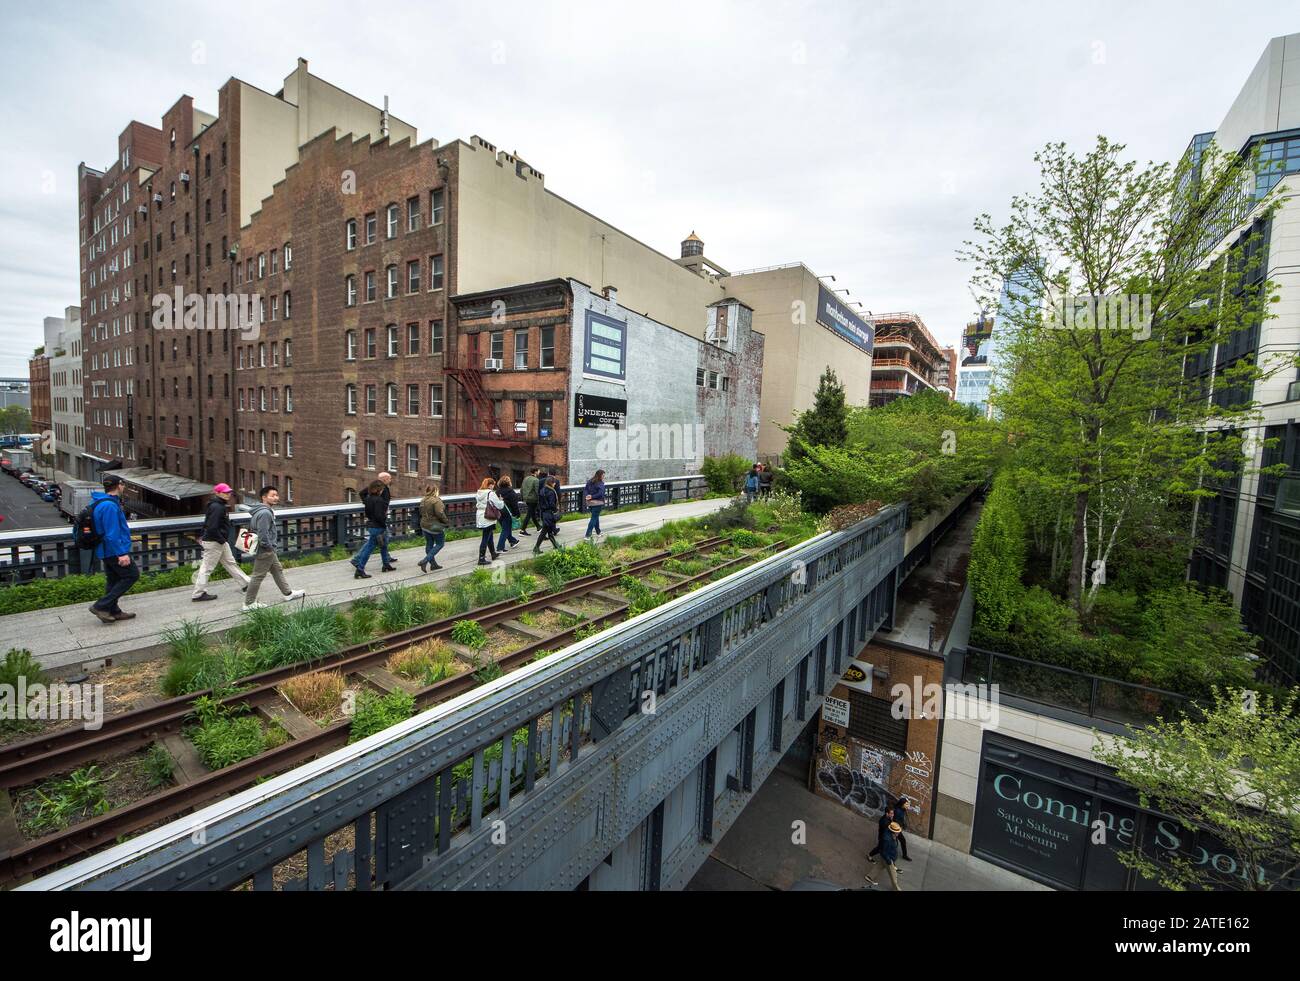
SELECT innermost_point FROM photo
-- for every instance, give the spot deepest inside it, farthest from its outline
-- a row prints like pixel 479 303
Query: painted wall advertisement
pixel 841 319
pixel 596 411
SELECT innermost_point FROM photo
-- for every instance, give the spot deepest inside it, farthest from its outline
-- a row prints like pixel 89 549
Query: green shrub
pixel 223 738
pixel 311 633
pixel 744 538
pixel 469 633
pixel 373 713
pixel 59 802
pixel 583 559
pixel 680 547
pixel 158 766
pixel 19 663
pixel 1193 640
pixel 402 608
pixel 187 638
pixel 725 520
pixel 640 596
pixel 490 671
pixel 725 474
pixel 997 557
pixel 217 669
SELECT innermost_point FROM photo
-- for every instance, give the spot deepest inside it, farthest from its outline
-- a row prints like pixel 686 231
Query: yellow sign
pixel 837 753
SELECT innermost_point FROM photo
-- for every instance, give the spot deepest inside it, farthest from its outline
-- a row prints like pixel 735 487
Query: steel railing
pixel 166 543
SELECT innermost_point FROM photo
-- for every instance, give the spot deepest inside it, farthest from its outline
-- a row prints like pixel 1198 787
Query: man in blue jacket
pixel 113 550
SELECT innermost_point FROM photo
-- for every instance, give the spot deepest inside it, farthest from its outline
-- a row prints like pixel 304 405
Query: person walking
pixel 267 560
pixel 487 511
pixel 900 818
pixel 386 479
pixel 215 542
pixel 113 550
pixel 375 504
pixel 433 524
pixel 888 855
pixel 529 492
pixel 509 511
pixel 752 482
pixel 764 479
pixel 548 502
pixel 593 496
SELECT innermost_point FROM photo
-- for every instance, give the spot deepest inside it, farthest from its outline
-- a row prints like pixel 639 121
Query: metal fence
pixel 1075 691
pixel 534 780
pixel 167 543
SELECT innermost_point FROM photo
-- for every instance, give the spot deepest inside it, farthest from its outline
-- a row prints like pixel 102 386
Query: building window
pixel 497 340
pixel 390 390
pixel 413 214
pixel 435 207
pixel 521 350
pixel 435 336
pixel 288 489
pixel 370 342
pixel 288 398
pixel 412 339
pixel 275 261
pixel 413 276
pixel 699 377
pixel 390 455
pixel 350 345
pixel 412 400
pixel 606 346
pixel 370 228
pixel 288 444
pixel 545 409
pixel 548 347
pixel 370 286
pixel 288 347
pixel 372 399
pixel 350 391
pixel 392 221
pixel 435 400
pixel 435 461
pixel 370 454
pixel 350 284
pixel 391 275
pixel 287 312
pixel 435 272
pixel 412 458
pixel 350 234
pixel 288 256
pixel 392 340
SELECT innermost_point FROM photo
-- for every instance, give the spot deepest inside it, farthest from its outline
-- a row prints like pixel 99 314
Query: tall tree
pixel 1103 370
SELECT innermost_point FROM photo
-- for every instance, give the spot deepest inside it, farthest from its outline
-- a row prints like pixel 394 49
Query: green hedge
pixel 997 557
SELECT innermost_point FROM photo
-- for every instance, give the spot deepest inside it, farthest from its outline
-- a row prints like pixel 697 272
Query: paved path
pixel 757 853
pixel 67 638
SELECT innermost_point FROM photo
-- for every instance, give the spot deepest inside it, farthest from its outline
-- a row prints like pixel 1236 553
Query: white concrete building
pixel 63 348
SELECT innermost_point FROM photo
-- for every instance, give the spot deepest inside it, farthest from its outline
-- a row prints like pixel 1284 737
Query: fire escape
pixel 472 432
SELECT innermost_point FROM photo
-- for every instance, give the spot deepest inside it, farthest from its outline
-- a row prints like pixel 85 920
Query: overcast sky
pixel 858 137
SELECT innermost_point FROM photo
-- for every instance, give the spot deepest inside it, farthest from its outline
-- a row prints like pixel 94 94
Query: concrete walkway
pixel 758 852
pixel 69 639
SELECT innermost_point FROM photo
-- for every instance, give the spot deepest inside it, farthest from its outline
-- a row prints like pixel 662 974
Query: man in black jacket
pixel 897 814
pixel 215 542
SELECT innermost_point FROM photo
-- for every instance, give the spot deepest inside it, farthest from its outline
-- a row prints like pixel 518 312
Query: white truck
pixel 75 495
pixel 19 459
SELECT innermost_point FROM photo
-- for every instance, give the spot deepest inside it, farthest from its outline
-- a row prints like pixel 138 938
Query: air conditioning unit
pixel 493 364
pixel 158 198
pixel 185 176
pixel 143 210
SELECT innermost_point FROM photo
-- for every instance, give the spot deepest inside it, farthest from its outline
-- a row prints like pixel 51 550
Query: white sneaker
pixel 254 606
pixel 295 595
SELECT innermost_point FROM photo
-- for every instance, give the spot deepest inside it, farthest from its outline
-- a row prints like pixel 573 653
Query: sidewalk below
pixel 758 853
pixel 67 639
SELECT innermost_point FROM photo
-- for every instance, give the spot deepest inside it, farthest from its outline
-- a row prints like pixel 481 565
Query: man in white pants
pixel 215 541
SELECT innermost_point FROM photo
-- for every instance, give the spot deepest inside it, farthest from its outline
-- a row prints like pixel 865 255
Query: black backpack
pixel 85 534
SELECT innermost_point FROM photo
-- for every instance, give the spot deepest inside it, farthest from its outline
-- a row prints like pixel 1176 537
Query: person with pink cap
pixel 215 542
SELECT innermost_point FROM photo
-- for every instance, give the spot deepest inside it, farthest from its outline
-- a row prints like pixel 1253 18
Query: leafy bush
pixel 490 671
pixel 723 521
pixel 679 547
pixel 374 713
pixel 1193 640
pixel 583 559
pixel 640 596
pixel 744 538
pixel 158 766
pixel 223 738
pixel 725 474
pixel 59 802
pixel 997 557
pixel 469 633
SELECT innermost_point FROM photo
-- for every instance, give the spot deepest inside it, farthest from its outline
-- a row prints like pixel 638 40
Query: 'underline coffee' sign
pixel 596 412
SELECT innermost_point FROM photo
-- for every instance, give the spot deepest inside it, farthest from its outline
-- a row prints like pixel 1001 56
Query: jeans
pixel 375 538
pixel 214 554
pixel 485 544
pixel 266 561
pixel 118 579
pixel 593 523
pixel 507 531
pixel 433 542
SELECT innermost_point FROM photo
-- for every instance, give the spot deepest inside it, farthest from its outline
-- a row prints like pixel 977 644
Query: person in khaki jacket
pixel 434 524
pixel 215 542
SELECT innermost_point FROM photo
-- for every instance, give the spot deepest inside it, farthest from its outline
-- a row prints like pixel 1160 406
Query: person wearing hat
pixel 894 814
pixel 113 550
pixel 888 855
pixel 215 542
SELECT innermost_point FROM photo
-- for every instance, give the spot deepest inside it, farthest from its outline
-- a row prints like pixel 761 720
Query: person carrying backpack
pixel 215 541
pixel 510 508
pixel 752 483
pixel 113 548
pixel 374 500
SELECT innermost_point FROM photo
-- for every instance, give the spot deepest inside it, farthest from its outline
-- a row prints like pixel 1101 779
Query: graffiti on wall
pixel 867 778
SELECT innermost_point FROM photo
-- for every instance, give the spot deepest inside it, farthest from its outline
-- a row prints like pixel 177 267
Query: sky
pixel 861 138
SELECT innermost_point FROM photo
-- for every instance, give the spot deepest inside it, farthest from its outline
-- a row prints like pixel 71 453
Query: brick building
pixel 164 217
pixel 558 375
pixel 38 373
